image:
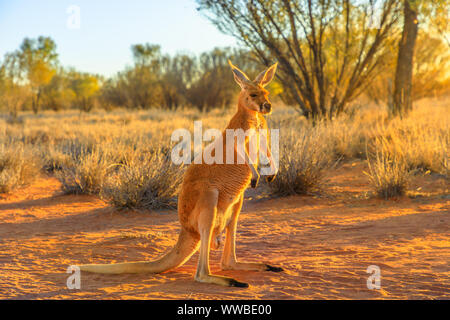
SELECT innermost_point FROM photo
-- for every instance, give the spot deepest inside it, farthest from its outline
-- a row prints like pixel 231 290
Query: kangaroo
pixel 211 195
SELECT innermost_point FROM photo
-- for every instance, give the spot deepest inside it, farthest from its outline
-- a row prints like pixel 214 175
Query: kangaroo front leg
pixel 255 174
pixel 207 206
pixel 265 149
pixel 249 160
pixel 229 261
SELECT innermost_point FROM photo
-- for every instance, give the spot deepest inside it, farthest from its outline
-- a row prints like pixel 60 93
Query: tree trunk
pixel 402 103
pixel 35 103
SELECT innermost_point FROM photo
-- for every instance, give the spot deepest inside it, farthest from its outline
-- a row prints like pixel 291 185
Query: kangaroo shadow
pixel 58 198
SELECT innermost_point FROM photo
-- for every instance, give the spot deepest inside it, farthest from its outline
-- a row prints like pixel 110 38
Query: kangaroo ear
pixel 239 76
pixel 266 76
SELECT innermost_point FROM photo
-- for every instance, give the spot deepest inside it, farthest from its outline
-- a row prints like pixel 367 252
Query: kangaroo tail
pixel 186 246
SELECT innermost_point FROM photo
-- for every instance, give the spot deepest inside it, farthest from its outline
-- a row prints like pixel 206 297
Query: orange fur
pixel 211 197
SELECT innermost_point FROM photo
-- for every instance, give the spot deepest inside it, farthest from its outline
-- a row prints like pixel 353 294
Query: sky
pixel 99 40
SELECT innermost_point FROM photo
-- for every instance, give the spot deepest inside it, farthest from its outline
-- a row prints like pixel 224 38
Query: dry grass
pixel 122 155
pixel 18 167
pixel 388 172
pixel 303 158
pixel 145 182
pixel 85 174
pixel 422 140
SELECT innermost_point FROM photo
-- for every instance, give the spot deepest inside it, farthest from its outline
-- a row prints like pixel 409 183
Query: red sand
pixel 325 245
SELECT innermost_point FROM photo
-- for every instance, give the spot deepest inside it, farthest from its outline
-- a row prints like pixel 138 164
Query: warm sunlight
pixel 224 150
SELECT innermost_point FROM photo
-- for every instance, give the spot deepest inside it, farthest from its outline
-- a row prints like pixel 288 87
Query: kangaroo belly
pixel 230 180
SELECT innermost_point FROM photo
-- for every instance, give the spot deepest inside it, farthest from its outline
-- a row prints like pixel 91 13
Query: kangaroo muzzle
pixel 266 107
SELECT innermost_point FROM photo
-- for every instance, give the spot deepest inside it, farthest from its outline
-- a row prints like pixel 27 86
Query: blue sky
pixel 108 29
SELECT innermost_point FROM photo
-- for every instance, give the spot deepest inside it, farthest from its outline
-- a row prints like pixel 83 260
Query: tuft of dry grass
pixel 85 174
pixel 388 172
pixel 303 158
pixel 54 160
pixel 18 167
pixel 148 181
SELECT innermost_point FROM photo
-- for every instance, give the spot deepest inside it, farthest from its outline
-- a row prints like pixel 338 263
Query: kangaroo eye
pixel 253 95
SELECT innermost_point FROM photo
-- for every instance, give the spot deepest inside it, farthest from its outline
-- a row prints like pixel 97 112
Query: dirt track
pixel 324 243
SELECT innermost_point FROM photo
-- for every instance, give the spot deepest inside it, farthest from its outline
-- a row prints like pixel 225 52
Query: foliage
pixel 35 61
pixel 85 87
pixel 327 50
pixel 145 182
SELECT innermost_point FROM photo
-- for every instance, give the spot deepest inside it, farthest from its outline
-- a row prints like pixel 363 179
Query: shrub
pixel 85 174
pixel 54 160
pixel 17 167
pixel 302 161
pixel 148 181
pixel 388 173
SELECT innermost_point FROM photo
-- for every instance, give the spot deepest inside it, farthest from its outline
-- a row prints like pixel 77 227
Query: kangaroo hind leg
pixel 207 211
pixel 229 261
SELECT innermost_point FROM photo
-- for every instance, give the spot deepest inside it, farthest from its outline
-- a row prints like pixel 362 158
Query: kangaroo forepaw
pixel 273 269
pixel 270 178
pixel 254 182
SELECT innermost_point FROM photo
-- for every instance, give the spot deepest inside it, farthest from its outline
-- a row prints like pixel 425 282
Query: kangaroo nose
pixel 267 107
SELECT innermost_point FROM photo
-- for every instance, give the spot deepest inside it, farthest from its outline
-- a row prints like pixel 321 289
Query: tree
pixel 402 100
pixel 140 82
pixel 175 75
pixel 85 86
pixel 158 79
pixel 211 86
pixel 435 17
pixel 430 65
pixel 58 94
pixel 436 12
pixel 37 60
pixel 12 94
pixel 327 50
pixel 110 96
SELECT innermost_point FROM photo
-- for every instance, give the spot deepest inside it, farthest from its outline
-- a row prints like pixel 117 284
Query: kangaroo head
pixel 253 96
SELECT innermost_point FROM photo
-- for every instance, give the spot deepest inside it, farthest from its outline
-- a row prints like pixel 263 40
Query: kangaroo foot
pixel 223 281
pixel 273 269
pixel 251 266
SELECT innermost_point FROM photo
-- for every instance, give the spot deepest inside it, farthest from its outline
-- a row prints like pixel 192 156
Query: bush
pixel 17 167
pixel 53 160
pixel 388 173
pixel 145 182
pixel 302 161
pixel 85 174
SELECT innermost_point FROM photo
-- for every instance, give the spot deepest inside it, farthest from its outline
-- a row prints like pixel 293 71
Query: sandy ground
pixel 325 244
